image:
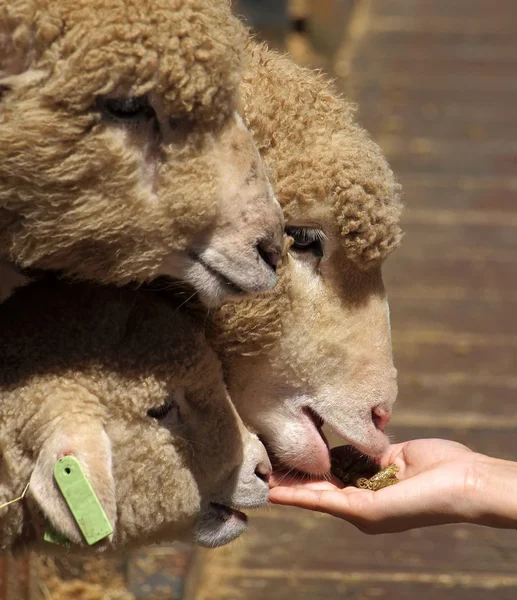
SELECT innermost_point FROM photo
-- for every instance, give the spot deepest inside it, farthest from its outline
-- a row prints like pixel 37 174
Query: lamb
pixel 128 385
pixel 317 348
pixel 122 153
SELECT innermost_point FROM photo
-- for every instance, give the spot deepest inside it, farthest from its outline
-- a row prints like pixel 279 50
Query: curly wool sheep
pixel 122 153
pixel 128 385
pixel 317 348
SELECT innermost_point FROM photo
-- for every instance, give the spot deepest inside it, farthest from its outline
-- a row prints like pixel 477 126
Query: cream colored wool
pixel 80 367
pixel 112 199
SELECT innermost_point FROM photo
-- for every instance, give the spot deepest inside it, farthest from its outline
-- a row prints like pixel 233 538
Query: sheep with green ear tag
pixel 120 388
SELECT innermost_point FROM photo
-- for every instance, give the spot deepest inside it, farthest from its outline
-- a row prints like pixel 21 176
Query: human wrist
pixel 491 492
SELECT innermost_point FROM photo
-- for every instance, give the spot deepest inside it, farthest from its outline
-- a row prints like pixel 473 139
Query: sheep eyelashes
pixel 91 372
pixel 122 153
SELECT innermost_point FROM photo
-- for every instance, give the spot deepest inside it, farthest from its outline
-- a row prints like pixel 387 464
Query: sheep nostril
pixel 263 472
pixel 269 254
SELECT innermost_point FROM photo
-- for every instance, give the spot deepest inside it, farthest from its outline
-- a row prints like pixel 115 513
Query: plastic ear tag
pixel 54 537
pixel 82 502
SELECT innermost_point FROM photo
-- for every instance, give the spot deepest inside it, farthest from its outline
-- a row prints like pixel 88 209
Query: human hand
pixel 440 482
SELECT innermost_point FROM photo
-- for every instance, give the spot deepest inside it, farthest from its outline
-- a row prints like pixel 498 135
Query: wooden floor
pixel 436 83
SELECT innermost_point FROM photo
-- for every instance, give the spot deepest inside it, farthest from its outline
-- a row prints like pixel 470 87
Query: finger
pixel 400 501
pixel 302 497
pixel 279 478
pixel 338 503
pixel 284 478
pixel 394 452
pixel 312 485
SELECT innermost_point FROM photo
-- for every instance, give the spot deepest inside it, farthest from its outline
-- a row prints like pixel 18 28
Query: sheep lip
pixel 373 453
pixel 230 287
pixel 225 512
pixel 314 456
pixel 317 420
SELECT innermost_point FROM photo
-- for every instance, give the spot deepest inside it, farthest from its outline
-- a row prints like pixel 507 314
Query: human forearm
pixel 493 492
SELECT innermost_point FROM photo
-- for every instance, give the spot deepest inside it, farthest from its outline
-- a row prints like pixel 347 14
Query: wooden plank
pixel 429 104
pixel 458 8
pixel 429 81
pixel 245 585
pixel 491 274
pixel 473 314
pixel 460 356
pixel 427 235
pixel 493 442
pixel 489 195
pixel 461 158
pixel 441 45
pixel 438 393
pixel 433 123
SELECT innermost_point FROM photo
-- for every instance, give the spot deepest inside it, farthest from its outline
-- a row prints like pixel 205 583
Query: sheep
pixel 122 153
pixel 128 385
pixel 317 348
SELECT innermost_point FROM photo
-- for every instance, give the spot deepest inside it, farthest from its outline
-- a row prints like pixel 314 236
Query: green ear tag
pixel 81 499
pixel 52 536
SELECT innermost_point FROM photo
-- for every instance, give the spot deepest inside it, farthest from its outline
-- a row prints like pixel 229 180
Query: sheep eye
pixel 159 412
pixel 127 109
pixel 169 411
pixel 306 240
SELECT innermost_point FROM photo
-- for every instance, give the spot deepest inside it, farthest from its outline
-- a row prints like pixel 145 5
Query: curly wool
pixel 316 152
pixel 80 194
pixel 77 353
pixel 92 46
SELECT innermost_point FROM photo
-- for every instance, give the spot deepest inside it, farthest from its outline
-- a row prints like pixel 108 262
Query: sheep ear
pixel 89 443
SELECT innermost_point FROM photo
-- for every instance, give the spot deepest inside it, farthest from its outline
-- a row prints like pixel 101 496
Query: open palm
pixel 437 478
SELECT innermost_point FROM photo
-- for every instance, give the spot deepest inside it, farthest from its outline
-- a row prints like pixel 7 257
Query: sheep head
pixel 317 349
pixel 122 153
pixel 127 385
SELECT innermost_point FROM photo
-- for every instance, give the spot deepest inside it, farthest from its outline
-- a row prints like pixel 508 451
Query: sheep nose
pixel 263 471
pixel 269 252
pixel 380 417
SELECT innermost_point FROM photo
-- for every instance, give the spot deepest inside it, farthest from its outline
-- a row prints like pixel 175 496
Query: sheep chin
pixel 219 525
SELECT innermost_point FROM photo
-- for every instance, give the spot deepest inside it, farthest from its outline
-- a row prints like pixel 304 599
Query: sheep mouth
pixel 226 285
pixel 224 512
pixel 219 525
pixel 318 422
pixel 349 463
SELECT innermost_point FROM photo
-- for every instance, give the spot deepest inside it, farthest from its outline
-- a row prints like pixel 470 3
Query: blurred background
pixel 436 85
